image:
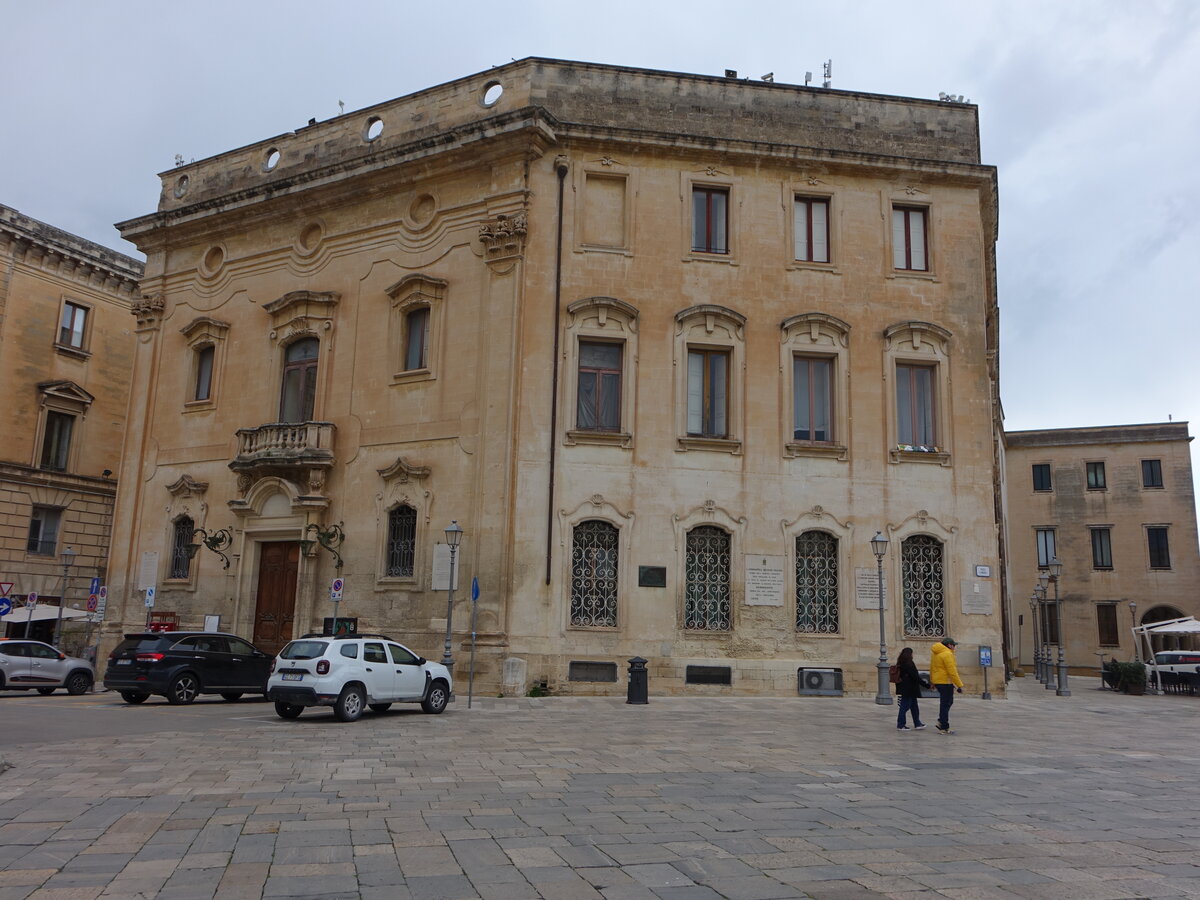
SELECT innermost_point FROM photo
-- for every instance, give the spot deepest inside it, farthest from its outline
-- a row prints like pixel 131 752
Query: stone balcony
pixel 288 449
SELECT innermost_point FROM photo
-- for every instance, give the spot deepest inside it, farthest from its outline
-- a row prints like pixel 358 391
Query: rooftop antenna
pixel 179 159
pixel 807 78
pixel 341 108
pixel 828 73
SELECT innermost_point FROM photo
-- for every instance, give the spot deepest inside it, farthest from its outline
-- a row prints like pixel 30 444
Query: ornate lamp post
pixel 883 695
pixel 1137 655
pixel 1039 591
pixel 1037 645
pixel 68 557
pixel 1055 574
pixel 454 535
pixel 1043 589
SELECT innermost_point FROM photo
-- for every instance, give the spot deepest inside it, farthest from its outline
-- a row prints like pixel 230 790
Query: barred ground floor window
pixel 817 583
pixel 594 574
pixel 707 567
pixel 921 570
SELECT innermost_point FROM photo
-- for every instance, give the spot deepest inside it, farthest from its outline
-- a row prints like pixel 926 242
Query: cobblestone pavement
pixel 1094 796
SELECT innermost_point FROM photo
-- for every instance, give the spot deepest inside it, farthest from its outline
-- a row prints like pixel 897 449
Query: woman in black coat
pixel 908 689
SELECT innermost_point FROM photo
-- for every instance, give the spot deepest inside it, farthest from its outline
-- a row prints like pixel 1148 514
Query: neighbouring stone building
pixel 1116 506
pixel 66 351
pixel 670 348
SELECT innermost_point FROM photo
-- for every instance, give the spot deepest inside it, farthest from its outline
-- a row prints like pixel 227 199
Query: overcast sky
pixel 1088 109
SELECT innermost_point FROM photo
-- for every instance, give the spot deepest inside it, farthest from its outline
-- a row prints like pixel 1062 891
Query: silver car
pixel 32 664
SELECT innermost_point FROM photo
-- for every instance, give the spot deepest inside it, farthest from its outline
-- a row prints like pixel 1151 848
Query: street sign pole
pixel 474 615
pixel 30 606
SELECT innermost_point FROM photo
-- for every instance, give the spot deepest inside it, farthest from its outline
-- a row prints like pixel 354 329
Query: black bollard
pixel 639 686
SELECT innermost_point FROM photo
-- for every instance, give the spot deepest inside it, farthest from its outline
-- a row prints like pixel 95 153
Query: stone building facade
pixel 669 348
pixel 1117 507
pixel 66 351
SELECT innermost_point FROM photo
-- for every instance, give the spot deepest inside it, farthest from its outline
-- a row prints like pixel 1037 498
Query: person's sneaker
pixel 941 730
pixel 903 728
pixel 919 727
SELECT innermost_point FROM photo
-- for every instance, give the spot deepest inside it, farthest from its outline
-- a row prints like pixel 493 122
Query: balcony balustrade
pixel 285 448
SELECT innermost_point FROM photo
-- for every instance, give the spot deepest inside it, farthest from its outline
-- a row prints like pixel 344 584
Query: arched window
pixel 707 567
pixel 817 582
pixel 402 542
pixel 594 574
pixel 921 570
pixel 299 381
pixel 181 539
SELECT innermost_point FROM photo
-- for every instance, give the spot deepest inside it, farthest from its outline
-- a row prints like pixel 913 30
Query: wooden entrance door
pixel 275 603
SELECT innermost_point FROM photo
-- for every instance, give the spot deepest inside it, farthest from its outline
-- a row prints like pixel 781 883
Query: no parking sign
pixel 335 589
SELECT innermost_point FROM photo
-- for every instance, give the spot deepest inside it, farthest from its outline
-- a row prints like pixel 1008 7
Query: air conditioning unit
pixel 819 682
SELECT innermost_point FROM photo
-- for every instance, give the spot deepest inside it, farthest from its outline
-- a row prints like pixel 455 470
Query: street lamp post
pixel 68 557
pixel 454 535
pixel 1137 655
pixel 883 695
pixel 1056 573
pixel 1043 589
pixel 1037 646
pixel 1039 591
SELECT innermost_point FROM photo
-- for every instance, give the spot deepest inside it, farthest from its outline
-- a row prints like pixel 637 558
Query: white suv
pixel 350 673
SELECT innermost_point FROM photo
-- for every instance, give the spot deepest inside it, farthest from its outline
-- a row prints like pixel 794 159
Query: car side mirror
pixel 421 660
pixel 61 656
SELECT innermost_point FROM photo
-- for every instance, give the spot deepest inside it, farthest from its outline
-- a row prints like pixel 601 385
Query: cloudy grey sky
pixel 1088 109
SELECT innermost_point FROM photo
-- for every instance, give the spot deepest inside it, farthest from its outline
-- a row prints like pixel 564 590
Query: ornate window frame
pixel 711 327
pixel 294 316
pixel 410 293
pixel 596 507
pixel 610 169
pixel 910 196
pixel 201 332
pixel 187 498
pixel 712 177
pixel 709 513
pixel 70 399
pixel 812 188
pixel 404 483
pixel 816 335
pixel 922 523
pixel 820 519
pixel 608 320
pixel 920 344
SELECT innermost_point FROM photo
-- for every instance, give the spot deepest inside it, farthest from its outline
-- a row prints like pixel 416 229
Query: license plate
pixel 124 662
pixel 289 677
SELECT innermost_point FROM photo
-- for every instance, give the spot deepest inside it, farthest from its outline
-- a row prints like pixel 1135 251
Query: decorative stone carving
pixel 186 485
pixel 504 236
pixel 149 311
pixel 301 312
pixel 402 472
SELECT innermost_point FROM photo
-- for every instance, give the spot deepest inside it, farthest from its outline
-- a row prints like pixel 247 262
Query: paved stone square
pixel 1095 797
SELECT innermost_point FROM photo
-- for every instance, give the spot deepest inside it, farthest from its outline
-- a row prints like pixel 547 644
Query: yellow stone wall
pixel 467 197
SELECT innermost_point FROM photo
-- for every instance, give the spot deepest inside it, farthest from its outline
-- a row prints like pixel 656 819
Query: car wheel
pixel 45 691
pixel 380 707
pixel 183 689
pixel 231 695
pixel 287 710
pixel 78 683
pixel 134 696
pixel 435 702
pixel 350 702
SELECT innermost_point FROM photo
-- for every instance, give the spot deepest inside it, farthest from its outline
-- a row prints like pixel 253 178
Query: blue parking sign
pixel 985 657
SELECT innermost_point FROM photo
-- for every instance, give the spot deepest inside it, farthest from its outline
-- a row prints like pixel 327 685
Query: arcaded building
pixel 1115 505
pixel 66 351
pixel 669 348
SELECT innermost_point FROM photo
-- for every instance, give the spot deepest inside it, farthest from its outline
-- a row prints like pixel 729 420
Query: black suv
pixel 181 664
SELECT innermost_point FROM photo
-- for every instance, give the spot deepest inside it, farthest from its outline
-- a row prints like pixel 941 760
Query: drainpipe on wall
pixel 560 166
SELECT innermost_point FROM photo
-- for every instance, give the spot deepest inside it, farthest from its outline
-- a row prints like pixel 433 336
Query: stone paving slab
pixel 1091 797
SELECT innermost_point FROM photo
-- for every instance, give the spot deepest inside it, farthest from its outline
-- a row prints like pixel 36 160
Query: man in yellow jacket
pixel 943 675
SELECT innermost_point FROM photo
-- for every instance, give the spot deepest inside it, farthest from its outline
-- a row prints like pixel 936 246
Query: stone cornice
pixel 68 256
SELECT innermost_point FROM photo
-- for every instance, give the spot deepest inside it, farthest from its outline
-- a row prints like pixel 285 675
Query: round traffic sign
pixel 338 584
pixel 93 602
pixel 5 606
pixel 31 600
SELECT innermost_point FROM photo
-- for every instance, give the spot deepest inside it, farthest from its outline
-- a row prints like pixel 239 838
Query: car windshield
pixel 304 650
